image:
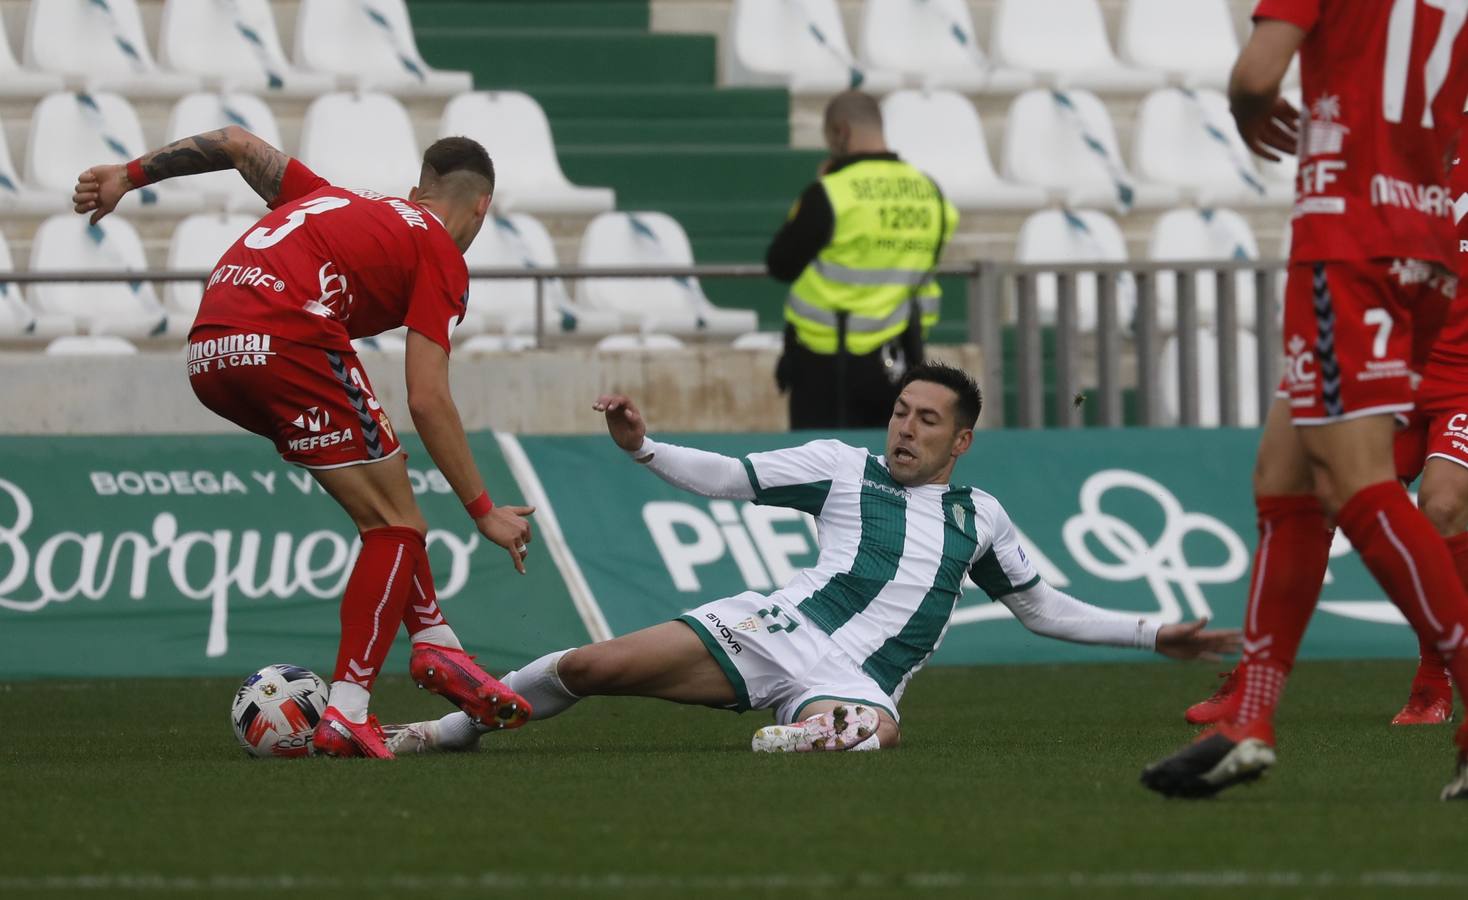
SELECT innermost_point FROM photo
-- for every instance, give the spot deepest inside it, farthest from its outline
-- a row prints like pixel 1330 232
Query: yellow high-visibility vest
pixel 890 219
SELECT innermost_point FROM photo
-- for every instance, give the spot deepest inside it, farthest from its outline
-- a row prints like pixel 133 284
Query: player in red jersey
pixel 271 351
pixel 1373 237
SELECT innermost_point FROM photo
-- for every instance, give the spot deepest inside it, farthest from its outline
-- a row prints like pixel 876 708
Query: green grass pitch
pixel 1014 781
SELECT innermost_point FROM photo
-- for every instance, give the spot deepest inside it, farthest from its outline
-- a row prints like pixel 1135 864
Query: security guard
pixel 860 247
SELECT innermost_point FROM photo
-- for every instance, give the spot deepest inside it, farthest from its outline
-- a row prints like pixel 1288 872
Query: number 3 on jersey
pixel 263 237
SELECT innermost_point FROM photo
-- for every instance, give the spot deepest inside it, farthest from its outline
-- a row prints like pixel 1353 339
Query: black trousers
pixel 816 395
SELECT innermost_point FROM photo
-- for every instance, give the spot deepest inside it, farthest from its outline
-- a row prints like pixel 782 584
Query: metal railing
pixel 998 293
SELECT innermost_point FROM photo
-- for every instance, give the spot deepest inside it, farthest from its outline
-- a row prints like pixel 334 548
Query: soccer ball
pixel 276 709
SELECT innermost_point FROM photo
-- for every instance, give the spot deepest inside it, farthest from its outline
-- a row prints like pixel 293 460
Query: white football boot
pixel 415 737
pixel 840 729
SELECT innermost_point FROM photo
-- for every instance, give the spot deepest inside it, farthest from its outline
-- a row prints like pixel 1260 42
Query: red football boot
pixel 1218 708
pixel 336 736
pixel 453 675
pixel 1431 700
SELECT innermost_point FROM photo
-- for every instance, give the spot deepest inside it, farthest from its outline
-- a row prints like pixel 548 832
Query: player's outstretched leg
pixel 846 726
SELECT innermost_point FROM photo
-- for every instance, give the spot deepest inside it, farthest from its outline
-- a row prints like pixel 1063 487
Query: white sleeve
pixel 698 471
pixel 1045 610
pixel 1002 568
pixel 797 477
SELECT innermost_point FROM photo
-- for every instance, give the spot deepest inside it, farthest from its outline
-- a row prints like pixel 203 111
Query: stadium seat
pixel 370 42
pixel 1065 142
pixel 940 133
pixel 202 112
pixel 393 342
pixel 91 345
pixel 1192 41
pixel 17 320
pixel 932 43
pixel 1075 236
pixel 1209 409
pixel 634 343
pixel 799 44
pixel 22 199
pixel 497 343
pixel 675 305
pixel 198 243
pixel 16 82
pixel 759 340
pixel 338 126
pixel 508 305
pixel 528 176
pixel 98 45
pixel 1065 40
pixel 1187 139
pixel 233 46
pixel 1195 235
pixel 130 309
pixel 72 132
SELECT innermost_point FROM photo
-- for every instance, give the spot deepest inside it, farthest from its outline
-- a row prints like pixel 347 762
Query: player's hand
pixel 1274 128
pixel 1189 640
pixel 507 526
pixel 99 189
pixel 624 421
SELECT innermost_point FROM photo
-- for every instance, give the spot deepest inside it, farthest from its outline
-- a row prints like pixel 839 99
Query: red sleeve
pixel 440 294
pixel 297 182
pixel 1304 13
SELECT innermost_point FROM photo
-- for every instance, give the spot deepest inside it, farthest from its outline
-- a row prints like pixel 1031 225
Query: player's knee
pixel 1446 510
pixel 889 735
pixel 593 669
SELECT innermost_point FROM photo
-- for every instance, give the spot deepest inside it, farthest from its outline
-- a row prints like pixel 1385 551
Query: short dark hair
pixel 459 154
pixel 970 400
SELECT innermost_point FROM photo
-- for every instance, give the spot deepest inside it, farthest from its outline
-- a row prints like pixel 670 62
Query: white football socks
pixel 438 635
pixel 350 700
pixel 537 682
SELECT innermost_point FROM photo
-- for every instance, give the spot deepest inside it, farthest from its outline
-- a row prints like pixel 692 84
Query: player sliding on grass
pixel 832 651
pixel 271 351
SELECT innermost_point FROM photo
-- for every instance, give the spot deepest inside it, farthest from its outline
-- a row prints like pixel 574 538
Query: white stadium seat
pixel 635 343
pixel 202 112
pixel 198 243
pixel 233 46
pixel 99 46
pixel 91 345
pixel 1066 40
pixel 497 343
pixel 371 42
pixel 799 44
pixel 1065 142
pixel 940 133
pixel 519 241
pixel 19 198
pixel 932 43
pixel 1195 235
pixel 1209 409
pixel 1187 139
pixel 394 343
pixel 515 131
pixel 23 83
pixel 338 126
pixel 130 309
pixel 17 320
pixel 1075 236
pixel 1191 40
pixel 675 305
pixel 759 341
pixel 72 132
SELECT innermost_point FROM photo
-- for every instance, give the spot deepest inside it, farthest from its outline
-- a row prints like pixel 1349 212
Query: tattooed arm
pixel 99 188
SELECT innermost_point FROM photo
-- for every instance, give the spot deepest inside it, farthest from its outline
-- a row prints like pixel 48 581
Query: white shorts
pixel 778 660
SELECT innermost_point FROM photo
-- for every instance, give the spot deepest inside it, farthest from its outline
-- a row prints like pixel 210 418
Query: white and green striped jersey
pixel 892 558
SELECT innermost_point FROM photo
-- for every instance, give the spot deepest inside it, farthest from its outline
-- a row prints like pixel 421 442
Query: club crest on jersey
pixel 334 302
pixel 959 514
pixel 310 421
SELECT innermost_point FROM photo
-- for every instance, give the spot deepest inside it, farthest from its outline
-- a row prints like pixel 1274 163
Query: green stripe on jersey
pixel 989 575
pixel 808 498
pixel 900 654
pixel 878 553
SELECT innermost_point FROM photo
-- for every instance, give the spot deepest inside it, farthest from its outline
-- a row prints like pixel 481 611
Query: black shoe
pixel 1220 758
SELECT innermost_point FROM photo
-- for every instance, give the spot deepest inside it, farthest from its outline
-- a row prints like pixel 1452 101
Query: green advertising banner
pixel 208 555
pixel 1154 521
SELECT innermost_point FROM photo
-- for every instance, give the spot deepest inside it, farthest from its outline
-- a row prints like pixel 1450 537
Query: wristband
pixel 135 174
pixel 480 506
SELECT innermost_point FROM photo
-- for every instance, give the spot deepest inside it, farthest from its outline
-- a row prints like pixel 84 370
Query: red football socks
pixel 1411 561
pixel 372 606
pixel 1289 567
pixel 421 614
pixel 1431 668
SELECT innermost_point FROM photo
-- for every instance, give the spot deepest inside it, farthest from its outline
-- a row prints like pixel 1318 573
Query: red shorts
pixel 316 404
pixel 1348 335
pixel 1438 427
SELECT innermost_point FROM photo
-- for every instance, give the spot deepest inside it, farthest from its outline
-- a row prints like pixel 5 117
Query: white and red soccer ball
pixel 276 710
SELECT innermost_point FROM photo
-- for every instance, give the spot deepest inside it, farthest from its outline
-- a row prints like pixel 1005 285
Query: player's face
pixel 923 436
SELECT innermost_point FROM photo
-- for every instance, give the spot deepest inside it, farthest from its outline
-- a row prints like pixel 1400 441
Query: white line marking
pixel 555 539
pixel 608 882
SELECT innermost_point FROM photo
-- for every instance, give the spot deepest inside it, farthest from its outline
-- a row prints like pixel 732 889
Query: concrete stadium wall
pixel 713 389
